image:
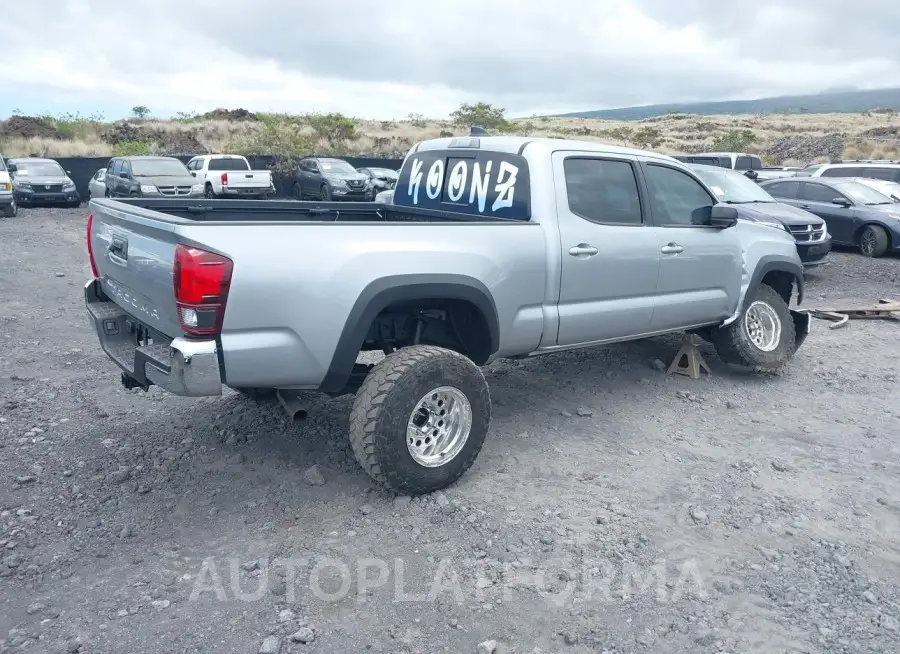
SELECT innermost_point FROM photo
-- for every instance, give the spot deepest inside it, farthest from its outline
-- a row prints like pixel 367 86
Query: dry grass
pixel 671 134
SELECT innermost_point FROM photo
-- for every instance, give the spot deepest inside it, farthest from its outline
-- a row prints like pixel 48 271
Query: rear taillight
pixel 224 179
pixel 201 281
pixel 90 223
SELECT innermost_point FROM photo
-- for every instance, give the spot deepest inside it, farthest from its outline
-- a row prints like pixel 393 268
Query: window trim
pixel 661 164
pixel 637 184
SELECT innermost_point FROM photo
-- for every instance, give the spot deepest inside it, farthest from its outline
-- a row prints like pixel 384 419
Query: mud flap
pixel 801 327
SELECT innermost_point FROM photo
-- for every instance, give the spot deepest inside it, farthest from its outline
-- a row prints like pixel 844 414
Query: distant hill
pixel 841 102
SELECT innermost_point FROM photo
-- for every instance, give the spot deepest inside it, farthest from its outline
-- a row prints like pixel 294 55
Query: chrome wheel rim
pixel 439 426
pixel 763 326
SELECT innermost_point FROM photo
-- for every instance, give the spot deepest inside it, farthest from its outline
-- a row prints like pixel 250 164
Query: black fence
pixel 81 169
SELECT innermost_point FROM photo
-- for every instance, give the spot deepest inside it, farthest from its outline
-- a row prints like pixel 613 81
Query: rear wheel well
pixel 456 324
pixel 783 283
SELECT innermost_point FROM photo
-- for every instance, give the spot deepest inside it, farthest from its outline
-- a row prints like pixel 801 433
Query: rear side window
pixel 473 182
pixel 603 190
pixel 844 171
pixel 787 190
pixel 743 163
pixel 889 174
pixel 2 164
pixel 227 163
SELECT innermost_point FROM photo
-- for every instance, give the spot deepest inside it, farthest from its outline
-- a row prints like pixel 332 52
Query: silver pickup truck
pixel 492 247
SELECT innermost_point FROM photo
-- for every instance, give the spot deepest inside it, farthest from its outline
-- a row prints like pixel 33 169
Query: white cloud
pixel 408 56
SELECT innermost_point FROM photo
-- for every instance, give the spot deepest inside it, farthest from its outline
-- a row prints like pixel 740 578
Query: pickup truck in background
pixel 492 247
pixel 748 164
pixel 229 175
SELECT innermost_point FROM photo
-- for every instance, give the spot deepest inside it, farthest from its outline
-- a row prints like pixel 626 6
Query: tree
pixel 140 111
pixel 483 115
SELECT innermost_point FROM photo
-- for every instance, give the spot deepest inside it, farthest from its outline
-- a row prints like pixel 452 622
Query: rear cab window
pixel 478 183
pixel 227 163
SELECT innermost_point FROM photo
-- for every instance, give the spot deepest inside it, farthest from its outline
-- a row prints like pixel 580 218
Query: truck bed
pixel 279 211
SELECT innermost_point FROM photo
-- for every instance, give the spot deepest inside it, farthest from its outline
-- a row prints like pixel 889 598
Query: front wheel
pixel 873 241
pixel 325 193
pixel 763 338
pixel 11 210
pixel 420 419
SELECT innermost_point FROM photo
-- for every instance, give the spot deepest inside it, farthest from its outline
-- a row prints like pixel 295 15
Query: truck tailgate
pixel 135 255
pixel 241 179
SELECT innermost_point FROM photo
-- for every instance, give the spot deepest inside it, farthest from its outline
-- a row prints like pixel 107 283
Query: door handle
pixel 804 206
pixel 582 250
pixel 672 248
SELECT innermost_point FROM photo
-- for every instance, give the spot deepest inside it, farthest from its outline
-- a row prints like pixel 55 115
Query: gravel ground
pixel 614 508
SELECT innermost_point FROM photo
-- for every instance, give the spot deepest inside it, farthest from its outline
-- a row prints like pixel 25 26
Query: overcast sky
pixel 390 58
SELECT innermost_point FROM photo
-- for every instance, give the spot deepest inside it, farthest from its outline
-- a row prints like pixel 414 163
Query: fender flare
pixel 773 263
pixel 385 291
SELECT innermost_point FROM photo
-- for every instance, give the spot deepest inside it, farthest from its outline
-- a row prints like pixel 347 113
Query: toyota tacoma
pixel 492 247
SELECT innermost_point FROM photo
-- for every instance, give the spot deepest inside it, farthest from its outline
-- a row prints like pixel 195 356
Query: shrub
pixel 734 140
pixel 282 137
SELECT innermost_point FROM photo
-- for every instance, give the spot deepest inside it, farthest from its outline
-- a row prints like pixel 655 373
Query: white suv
pixel 8 206
pixel 876 170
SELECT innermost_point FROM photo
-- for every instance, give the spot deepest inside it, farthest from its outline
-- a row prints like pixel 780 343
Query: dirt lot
pixel 613 508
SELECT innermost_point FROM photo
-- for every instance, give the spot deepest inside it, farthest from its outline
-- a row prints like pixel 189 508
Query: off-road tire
pixel 11 209
pixel 879 241
pixel 733 343
pixel 208 192
pixel 385 402
pixel 258 394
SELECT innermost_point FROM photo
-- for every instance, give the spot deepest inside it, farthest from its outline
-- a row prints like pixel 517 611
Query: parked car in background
pixel 385 197
pixel 383 179
pixel 886 170
pixel 39 181
pixel 890 189
pixel 8 206
pixel 97 185
pixel 857 215
pixel 230 175
pixel 749 164
pixel 327 179
pixel 150 177
pixel 754 203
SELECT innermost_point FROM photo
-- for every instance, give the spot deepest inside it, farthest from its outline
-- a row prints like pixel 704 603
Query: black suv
pixel 41 181
pixel 327 179
pixel 150 177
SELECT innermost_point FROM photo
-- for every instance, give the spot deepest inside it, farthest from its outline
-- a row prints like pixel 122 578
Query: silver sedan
pixel 97 185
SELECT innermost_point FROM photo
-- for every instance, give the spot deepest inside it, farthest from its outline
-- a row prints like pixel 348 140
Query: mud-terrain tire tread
pixel 733 345
pixel 389 388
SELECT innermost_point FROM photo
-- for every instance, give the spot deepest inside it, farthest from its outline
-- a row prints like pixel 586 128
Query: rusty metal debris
pixel 840 315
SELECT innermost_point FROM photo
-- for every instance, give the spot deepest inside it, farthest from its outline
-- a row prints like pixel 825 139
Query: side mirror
pixel 193 173
pixel 841 202
pixel 723 216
